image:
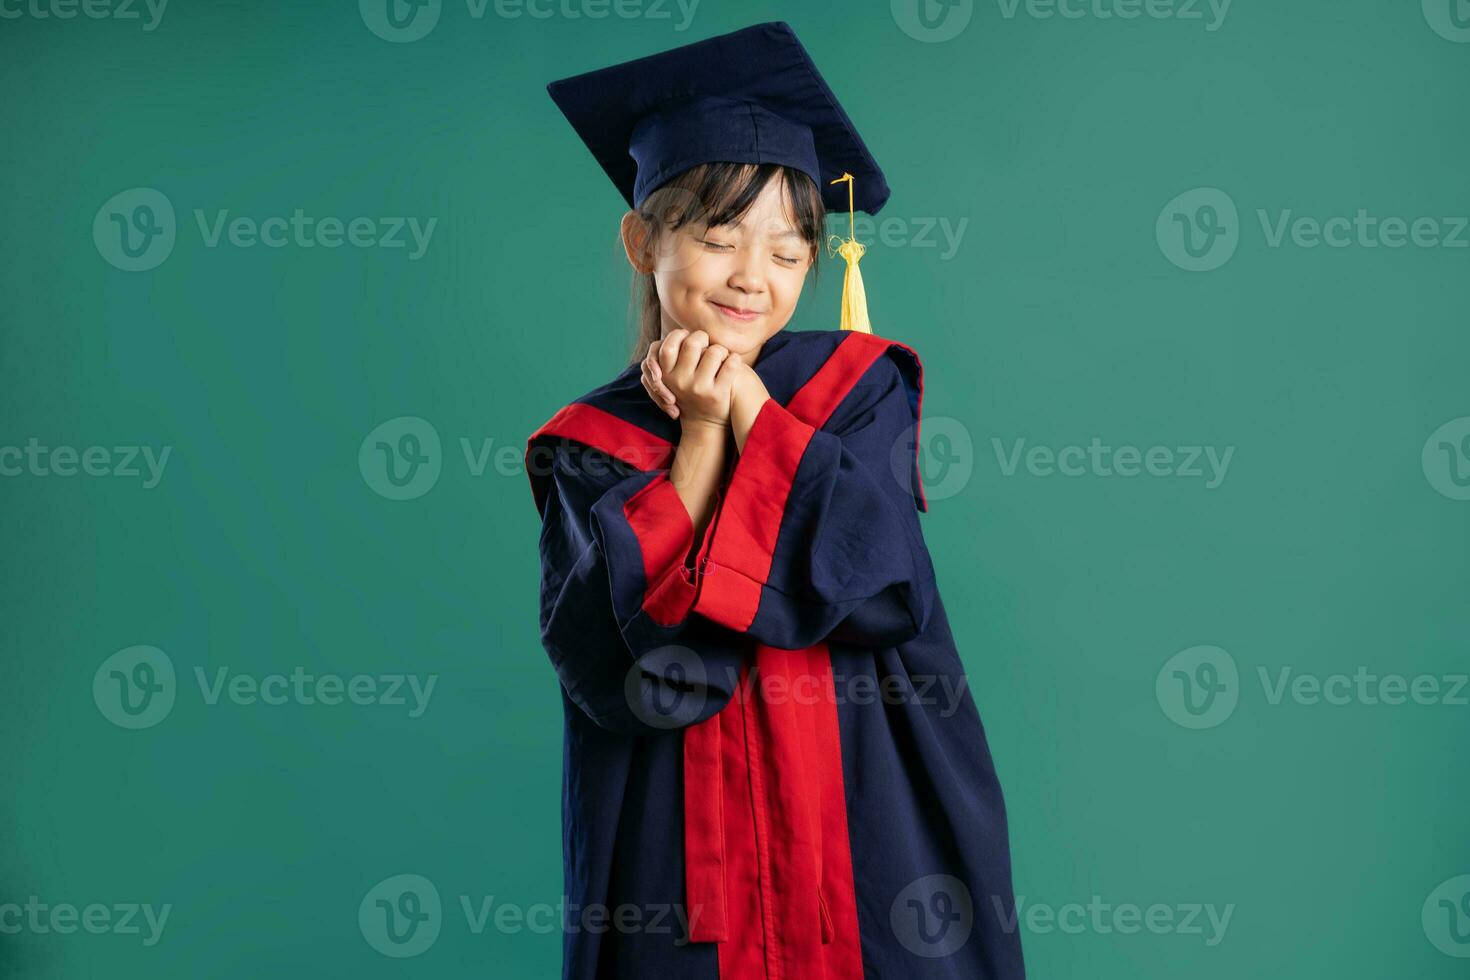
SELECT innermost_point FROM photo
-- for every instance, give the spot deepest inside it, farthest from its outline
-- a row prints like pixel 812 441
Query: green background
pixel 1059 317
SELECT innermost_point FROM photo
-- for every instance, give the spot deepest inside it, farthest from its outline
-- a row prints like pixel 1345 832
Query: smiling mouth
pixel 736 313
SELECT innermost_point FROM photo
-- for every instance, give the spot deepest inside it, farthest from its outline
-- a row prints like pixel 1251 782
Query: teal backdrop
pixel 1189 283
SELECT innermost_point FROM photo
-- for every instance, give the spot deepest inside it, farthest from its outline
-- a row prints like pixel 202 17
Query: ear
pixel 635 232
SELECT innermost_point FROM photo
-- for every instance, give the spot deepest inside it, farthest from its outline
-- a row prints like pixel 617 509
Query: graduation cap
pixel 751 96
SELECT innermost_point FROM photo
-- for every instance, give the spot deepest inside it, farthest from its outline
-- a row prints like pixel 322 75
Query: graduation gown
pixel 773 766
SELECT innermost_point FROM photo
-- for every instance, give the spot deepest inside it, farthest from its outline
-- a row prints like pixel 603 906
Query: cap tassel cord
pixel 854 297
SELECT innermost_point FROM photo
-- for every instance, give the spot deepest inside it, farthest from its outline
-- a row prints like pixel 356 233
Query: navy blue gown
pixel 773 765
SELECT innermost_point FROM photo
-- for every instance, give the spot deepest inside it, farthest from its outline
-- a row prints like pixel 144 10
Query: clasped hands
pixel 710 390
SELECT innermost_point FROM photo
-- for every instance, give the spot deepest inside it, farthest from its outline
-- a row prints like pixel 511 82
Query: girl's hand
pixel 652 375
pixel 690 378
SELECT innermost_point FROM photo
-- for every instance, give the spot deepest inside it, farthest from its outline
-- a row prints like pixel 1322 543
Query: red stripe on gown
pixel 786 898
pixel 766 842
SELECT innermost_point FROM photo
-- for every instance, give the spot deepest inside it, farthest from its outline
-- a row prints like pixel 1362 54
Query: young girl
pixel 773 766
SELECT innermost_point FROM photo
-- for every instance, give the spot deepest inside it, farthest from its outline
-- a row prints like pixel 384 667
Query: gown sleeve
pixel 817 534
pixel 616 595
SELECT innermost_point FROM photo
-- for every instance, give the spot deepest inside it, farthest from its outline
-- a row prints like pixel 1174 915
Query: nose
pixel 748 273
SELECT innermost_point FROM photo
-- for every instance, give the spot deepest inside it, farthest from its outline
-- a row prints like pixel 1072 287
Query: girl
pixel 773 767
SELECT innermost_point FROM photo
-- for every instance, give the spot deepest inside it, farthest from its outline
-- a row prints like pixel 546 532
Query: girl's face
pixel 739 283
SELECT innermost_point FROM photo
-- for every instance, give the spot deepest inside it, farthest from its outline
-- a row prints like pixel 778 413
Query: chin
pixel 738 341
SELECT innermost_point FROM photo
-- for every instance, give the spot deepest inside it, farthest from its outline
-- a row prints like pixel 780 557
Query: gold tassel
pixel 854 297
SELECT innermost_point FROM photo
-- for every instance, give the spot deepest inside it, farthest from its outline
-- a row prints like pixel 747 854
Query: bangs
pixel 722 193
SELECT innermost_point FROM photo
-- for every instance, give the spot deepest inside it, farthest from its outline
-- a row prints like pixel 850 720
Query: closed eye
pixel 722 246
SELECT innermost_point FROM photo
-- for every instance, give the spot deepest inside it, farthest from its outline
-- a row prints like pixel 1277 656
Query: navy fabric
pixel 850 567
pixel 751 96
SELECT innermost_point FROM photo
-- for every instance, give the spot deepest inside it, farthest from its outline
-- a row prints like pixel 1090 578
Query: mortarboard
pixel 751 96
